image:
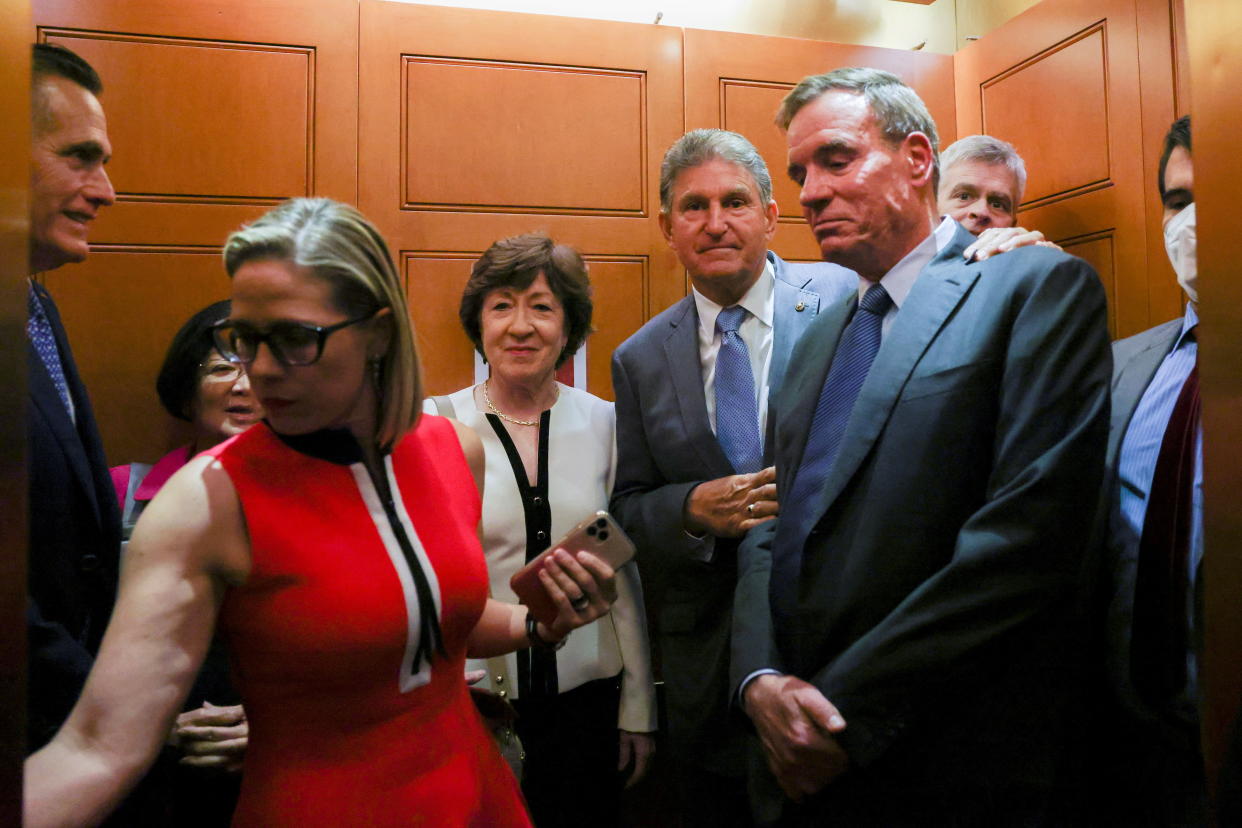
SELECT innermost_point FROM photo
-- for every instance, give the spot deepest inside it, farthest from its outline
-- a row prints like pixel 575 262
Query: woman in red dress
pixel 336 546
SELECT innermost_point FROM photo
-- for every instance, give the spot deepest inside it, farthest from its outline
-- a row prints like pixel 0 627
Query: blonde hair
pixel 339 245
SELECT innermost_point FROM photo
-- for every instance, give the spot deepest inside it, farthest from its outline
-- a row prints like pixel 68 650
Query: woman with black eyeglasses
pixel 196 783
pixel 336 546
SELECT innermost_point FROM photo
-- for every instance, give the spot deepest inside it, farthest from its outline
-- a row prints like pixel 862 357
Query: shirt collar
pixel 758 301
pixel 898 281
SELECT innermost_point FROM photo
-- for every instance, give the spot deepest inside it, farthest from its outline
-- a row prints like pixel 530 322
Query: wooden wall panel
pixel 484 162
pixel 121 308
pixel 736 82
pixel 434 282
pixel 480 125
pixel 1164 81
pixel 1098 251
pixel 241 152
pixel 1061 82
pixel 620 284
pixel 1064 161
pixel 1213 28
pixel 216 111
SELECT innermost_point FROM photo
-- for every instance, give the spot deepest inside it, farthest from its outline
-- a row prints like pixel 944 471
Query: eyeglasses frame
pixel 322 332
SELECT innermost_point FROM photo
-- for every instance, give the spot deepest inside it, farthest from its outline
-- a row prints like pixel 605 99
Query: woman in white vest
pixel 589 708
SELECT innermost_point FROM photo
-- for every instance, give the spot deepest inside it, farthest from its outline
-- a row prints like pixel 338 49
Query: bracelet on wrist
pixel 536 640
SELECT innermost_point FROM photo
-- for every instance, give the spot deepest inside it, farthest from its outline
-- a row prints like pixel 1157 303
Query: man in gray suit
pixel 1155 543
pixel 692 389
pixel 905 637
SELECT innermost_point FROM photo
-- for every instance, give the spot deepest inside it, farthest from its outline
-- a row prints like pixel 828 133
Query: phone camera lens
pixel 603 534
pixel 601 523
pixel 591 530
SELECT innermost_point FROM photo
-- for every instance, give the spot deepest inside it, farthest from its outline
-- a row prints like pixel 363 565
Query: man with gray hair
pixel 906 630
pixel 694 470
pixel 981 183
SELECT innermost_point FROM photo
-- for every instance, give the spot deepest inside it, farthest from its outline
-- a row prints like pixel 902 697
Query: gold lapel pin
pixel 800 307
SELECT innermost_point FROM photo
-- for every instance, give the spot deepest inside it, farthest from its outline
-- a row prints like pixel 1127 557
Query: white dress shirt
pixel 898 281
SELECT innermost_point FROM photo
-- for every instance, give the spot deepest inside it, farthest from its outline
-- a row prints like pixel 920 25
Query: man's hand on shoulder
pixel 728 507
pixel 996 240
pixel 796 726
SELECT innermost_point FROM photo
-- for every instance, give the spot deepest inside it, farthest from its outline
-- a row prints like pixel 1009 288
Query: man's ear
pixel 918 151
pixel 770 215
pixel 666 227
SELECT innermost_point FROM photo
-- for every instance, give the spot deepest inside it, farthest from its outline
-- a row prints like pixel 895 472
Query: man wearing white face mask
pixel 1155 544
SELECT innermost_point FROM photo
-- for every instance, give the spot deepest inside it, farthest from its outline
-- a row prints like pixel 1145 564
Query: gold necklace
pixel 502 415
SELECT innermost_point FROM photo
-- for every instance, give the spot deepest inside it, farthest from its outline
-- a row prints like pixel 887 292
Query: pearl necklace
pixel 502 415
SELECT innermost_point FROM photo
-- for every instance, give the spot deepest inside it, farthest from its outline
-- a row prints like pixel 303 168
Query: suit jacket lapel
pixel 788 323
pixel 1132 380
pixel 801 388
pixel 48 405
pixel 52 408
pixel 938 290
pixel 681 354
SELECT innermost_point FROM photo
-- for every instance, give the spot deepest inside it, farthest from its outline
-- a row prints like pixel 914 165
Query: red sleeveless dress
pixel 348 725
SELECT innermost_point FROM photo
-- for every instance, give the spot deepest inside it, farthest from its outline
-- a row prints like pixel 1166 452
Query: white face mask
pixel 1179 243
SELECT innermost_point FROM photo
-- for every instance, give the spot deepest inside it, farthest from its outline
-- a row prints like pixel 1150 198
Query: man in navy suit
pixel 693 476
pixel 905 632
pixel 74 526
pixel 1153 762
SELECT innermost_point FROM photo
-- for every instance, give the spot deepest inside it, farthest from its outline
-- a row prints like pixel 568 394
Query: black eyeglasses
pixel 291 343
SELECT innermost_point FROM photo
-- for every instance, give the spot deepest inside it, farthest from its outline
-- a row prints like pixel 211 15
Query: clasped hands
pixel 728 507
pixel 797 727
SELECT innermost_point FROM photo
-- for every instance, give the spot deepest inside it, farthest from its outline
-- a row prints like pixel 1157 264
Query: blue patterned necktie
pixel 850 365
pixel 737 412
pixel 39 329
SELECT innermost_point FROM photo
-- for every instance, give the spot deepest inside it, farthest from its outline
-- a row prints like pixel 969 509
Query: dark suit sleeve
pixel 1025 548
pixel 647 505
pixel 58 667
pixel 753 645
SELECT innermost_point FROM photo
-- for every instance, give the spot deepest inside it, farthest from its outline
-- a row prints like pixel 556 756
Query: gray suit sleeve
pixel 647 505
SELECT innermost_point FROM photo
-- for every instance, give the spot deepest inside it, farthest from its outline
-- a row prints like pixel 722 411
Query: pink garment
pixel 155 479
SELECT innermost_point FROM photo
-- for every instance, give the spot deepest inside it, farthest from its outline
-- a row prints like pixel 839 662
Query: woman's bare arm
pixel 502 627
pixel 188 546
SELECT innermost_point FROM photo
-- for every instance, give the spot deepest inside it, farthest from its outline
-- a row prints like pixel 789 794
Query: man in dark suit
pixel 692 390
pixel 904 636
pixel 1155 543
pixel 74 526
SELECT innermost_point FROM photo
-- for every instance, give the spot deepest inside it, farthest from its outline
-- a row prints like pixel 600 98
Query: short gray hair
pixel 339 245
pixel 985 149
pixel 702 145
pixel 897 109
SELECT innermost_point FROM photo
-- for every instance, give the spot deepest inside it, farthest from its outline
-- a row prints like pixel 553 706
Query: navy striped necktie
pixel 737 410
pixel 850 365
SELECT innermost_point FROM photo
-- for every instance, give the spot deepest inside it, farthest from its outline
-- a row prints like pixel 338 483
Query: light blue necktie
pixel 850 365
pixel 39 329
pixel 737 411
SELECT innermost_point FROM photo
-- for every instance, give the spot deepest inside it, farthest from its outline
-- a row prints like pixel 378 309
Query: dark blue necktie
pixel 737 412
pixel 850 365
pixel 39 329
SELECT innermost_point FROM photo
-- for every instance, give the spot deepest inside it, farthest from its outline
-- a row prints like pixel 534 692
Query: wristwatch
pixel 537 641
